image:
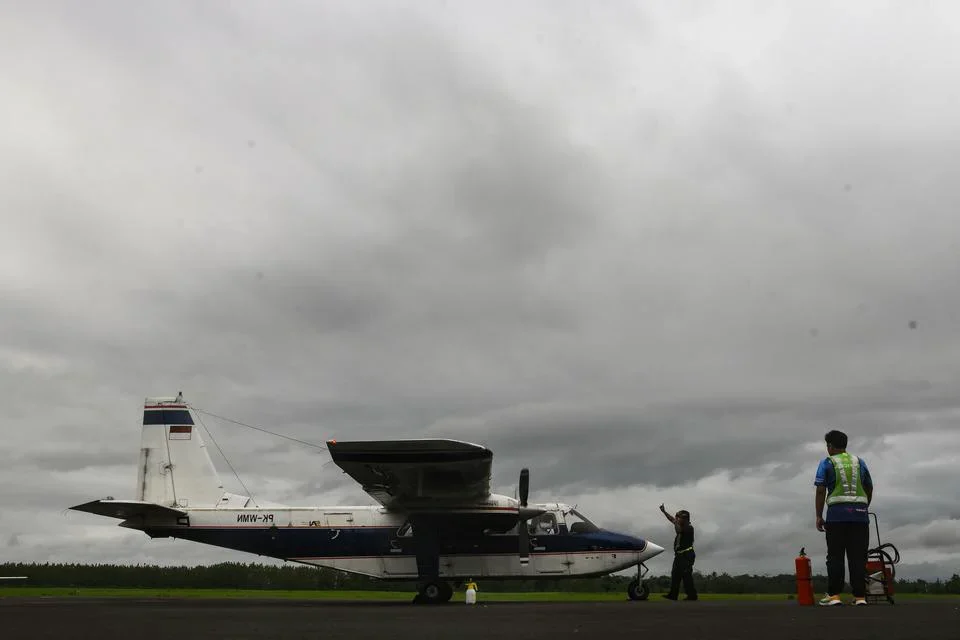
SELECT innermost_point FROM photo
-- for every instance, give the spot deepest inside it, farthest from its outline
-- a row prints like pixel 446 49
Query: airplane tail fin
pixel 175 469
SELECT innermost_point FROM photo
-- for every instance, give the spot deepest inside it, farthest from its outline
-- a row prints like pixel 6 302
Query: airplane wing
pixel 411 475
pixel 127 509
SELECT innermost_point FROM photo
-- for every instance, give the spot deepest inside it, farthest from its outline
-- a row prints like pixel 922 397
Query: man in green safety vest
pixel 843 483
pixel 683 556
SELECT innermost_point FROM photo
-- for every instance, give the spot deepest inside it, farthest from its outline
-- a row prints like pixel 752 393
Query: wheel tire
pixel 637 590
pixel 431 593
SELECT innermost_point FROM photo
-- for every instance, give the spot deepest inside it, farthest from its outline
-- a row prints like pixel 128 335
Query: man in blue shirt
pixel 843 483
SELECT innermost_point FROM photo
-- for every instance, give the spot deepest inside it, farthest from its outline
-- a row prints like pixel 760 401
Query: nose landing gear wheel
pixel 638 590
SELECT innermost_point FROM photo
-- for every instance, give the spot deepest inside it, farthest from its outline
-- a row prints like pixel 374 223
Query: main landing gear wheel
pixel 638 590
pixel 434 593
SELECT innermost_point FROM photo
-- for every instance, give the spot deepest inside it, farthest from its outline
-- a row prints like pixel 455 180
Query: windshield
pixel 577 523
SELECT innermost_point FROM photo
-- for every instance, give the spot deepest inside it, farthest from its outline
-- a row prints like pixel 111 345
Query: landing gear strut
pixel 426 543
pixel 638 589
pixel 433 592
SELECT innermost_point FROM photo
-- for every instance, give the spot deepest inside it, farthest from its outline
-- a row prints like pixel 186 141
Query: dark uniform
pixel 683 559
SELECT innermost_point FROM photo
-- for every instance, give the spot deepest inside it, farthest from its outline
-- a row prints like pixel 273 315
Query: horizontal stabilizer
pixel 126 509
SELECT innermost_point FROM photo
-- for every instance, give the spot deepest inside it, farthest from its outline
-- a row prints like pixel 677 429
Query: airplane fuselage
pixel 376 542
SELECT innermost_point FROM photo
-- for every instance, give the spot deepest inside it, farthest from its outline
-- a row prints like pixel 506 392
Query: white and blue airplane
pixel 437 522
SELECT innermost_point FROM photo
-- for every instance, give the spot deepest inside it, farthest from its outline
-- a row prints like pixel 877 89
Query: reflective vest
pixel 848 488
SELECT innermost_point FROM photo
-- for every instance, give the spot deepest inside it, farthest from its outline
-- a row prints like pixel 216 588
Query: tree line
pixel 235 575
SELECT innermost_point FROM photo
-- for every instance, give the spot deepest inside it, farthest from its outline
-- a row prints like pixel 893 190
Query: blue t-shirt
pixel 827 477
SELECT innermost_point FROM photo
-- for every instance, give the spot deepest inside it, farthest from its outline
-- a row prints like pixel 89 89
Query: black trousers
pixel 683 572
pixel 849 539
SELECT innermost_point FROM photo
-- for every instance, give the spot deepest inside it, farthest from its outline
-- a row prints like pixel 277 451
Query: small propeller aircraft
pixel 437 522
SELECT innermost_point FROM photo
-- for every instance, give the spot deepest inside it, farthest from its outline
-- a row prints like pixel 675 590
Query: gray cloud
pixel 648 262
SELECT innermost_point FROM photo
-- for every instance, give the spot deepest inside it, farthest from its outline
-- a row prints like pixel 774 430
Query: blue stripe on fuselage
pixel 323 542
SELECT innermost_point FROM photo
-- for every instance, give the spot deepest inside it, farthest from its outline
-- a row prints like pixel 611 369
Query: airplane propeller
pixel 524 486
pixel 525 514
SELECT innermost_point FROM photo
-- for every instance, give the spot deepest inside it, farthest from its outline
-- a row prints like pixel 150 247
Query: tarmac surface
pixel 167 618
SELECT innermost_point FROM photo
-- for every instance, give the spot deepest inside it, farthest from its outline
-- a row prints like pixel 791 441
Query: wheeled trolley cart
pixel 881 571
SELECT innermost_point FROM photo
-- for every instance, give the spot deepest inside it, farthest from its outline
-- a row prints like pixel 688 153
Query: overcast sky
pixel 652 252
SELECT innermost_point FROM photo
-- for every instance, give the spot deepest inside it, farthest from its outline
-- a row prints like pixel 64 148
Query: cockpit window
pixel 577 523
pixel 543 525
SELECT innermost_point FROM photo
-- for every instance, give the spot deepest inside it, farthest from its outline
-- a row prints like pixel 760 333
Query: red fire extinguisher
pixel 804 579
